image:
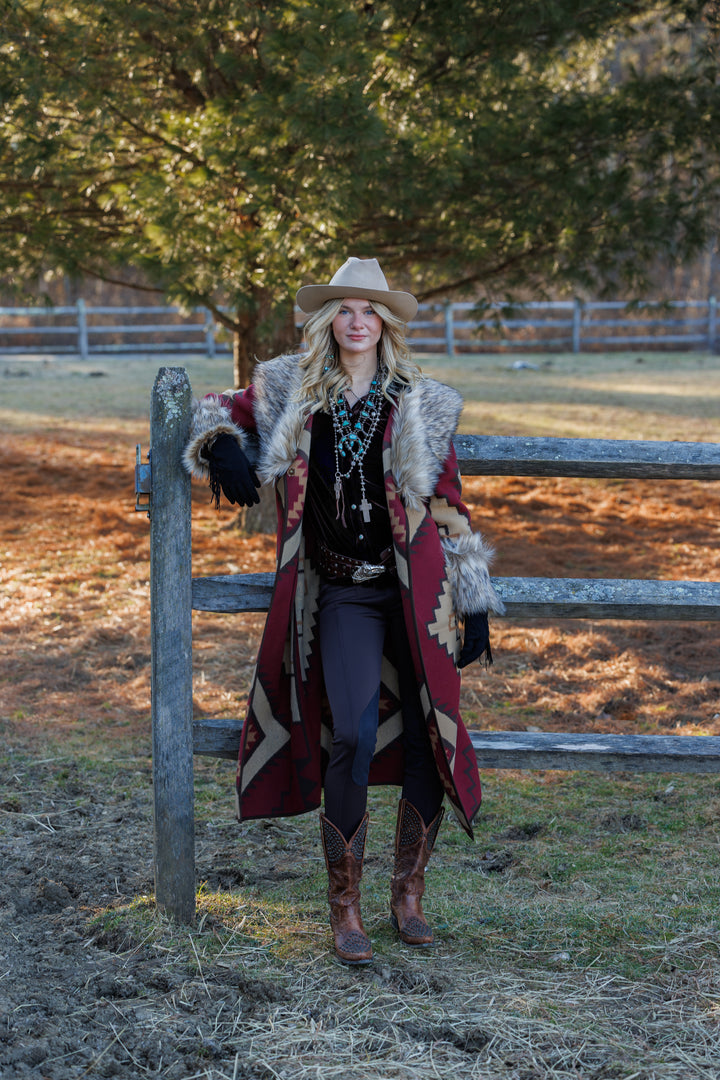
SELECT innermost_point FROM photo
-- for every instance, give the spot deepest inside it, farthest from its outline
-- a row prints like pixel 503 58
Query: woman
pixel 357 677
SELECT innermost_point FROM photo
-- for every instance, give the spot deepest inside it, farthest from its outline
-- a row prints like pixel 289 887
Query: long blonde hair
pixel 323 377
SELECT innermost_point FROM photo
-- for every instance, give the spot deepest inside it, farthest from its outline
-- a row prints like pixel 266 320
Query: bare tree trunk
pixel 241 360
pixel 257 335
pixel 260 334
pixel 261 518
pixel 714 267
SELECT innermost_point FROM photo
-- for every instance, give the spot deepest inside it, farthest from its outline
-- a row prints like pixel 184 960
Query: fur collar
pixel 426 418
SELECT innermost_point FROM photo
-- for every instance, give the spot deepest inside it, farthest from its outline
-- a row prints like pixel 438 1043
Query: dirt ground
pixel 74 640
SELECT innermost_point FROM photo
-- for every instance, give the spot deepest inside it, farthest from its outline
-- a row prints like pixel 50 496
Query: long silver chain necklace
pixel 352 440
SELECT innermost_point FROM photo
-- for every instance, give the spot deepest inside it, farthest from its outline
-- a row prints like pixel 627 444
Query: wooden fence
pixel 164 491
pixel 559 325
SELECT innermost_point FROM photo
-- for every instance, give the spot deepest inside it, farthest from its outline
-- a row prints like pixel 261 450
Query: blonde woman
pixel 382 589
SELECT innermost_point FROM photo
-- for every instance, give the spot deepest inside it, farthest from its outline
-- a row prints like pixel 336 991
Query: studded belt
pixel 334 567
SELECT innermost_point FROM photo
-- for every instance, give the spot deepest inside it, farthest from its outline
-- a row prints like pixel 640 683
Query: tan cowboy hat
pixel 360 279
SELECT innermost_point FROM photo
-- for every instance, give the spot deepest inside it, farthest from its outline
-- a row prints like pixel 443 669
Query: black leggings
pixel 353 622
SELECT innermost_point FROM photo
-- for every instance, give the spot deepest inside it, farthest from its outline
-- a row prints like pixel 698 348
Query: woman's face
pixel 357 329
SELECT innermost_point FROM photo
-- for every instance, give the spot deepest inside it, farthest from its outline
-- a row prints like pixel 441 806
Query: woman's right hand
pixel 231 472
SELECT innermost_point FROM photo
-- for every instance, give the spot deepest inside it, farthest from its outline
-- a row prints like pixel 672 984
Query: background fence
pixel 557 325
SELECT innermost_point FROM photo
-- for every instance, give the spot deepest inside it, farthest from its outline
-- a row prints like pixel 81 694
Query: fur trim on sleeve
pixel 467 558
pixel 209 419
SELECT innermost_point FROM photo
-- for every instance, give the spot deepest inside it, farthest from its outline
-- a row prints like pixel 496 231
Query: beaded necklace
pixel 352 441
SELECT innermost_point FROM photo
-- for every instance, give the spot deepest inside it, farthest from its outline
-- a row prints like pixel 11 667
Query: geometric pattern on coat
pixel 442 573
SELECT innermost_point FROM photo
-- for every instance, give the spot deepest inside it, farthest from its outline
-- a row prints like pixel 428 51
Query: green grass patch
pixel 574 869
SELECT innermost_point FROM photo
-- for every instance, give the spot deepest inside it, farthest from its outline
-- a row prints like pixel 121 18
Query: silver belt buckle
pixel 366 572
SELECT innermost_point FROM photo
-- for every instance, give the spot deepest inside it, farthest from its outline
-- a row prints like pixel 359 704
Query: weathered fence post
pixel 712 324
pixel 209 334
pixel 83 348
pixel 449 329
pixel 171 643
pixel 577 324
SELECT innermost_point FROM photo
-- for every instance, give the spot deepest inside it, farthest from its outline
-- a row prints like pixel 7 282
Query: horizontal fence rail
pixel 543 597
pixel 510 455
pixel 554 598
pixel 534 750
pixel 558 325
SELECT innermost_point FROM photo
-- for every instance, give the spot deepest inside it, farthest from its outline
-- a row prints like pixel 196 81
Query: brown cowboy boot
pixel 414 842
pixel 344 859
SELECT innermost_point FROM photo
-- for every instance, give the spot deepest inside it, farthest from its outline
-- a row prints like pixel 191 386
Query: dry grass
pixel 400 1022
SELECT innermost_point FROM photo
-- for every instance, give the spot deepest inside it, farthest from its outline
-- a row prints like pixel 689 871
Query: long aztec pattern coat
pixel 442 569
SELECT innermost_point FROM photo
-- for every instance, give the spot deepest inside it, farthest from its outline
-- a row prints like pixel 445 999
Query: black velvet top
pixel 345 531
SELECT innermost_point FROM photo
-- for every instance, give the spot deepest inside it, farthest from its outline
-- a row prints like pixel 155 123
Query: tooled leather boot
pixel 414 842
pixel 344 861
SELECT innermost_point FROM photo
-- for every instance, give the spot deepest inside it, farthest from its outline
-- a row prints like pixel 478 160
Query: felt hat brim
pixel 358 279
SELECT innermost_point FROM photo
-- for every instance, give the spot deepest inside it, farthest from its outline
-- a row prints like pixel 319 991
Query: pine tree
pixel 233 150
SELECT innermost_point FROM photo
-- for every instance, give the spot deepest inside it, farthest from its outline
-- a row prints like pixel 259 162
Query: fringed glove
pixel 477 640
pixel 231 473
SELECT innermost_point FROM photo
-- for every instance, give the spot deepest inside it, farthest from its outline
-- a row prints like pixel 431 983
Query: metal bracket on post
pixel 143 482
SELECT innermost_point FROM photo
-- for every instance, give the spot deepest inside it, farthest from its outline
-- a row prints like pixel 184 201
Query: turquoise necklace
pixel 353 436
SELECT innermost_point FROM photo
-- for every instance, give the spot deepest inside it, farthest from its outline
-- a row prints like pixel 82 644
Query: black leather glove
pixel 477 640
pixel 231 473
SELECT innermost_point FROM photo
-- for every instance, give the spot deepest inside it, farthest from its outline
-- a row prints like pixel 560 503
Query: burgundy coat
pixel 442 572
